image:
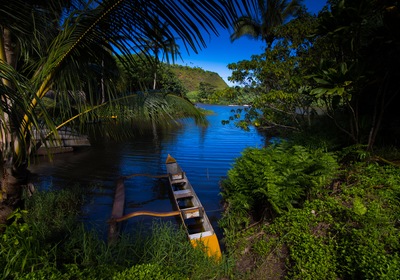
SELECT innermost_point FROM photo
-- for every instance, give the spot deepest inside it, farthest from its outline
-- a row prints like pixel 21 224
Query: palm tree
pixel 268 15
pixel 160 44
pixel 71 48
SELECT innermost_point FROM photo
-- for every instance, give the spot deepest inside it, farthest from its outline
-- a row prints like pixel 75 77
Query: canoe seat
pixel 179 182
pixel 201 234
pixel 192 212
pixel 174 177
pixel 182 194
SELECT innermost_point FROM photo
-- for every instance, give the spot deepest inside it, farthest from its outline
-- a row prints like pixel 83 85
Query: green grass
pixel 347 229
pixel 46 241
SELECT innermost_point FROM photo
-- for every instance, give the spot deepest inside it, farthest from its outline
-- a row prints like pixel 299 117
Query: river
pixel 205 154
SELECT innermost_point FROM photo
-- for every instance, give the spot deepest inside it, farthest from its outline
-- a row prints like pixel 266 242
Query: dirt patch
pixel 272 267
pixel 246 263
pixel 321 229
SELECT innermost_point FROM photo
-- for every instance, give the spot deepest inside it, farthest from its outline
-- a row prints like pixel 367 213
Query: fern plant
pixel 274 178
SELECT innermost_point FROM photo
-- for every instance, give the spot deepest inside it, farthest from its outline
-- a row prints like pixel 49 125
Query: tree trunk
pixel 13 176
pixel 12 182
pixel 10 48
pixel 155 80
pixel 376 121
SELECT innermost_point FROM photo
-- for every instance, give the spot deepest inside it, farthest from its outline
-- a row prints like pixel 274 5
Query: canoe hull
pixel 193 217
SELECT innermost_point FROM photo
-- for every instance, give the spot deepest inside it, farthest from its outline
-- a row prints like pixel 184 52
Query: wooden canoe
pixel 197 225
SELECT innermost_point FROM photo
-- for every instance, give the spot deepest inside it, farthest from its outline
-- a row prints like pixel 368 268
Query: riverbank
pixel 47 241
pixel 205 153
pixel 345 227
pixel 302 223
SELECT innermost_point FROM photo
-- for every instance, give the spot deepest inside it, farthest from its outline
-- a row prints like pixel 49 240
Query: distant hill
pixel 191 77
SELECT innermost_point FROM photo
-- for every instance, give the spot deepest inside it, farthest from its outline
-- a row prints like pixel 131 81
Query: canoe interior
pixel 194 218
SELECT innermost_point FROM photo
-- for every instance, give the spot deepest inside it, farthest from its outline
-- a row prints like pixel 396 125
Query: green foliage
pixel 43 274
pixel 140 76
pixel 357 78
pixel 20 250
pixel 168 246
pixel 333 83
pixel 359 207
pixel 353 153
pixel 170 82
pixel 33 238
pixel 205 90
pixel 53 213
pixel 370 242
pixel 267 15
pixel 276 179
pixel 147 271
pixel 350 232
pixel 341 66
pixel 72 271
pixel 275 78
pixel 306 232
pixel 191 77
pixel 37 245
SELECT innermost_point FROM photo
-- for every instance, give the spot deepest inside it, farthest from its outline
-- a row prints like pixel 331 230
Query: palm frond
pixel 72 53
pixel 260 22
pixel 130 115
pixel 16 130
pixel 246 26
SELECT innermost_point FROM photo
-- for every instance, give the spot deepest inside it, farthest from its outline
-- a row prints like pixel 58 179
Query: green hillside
pixel 192 77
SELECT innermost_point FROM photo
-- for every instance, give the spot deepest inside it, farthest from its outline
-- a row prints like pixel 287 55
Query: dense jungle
pixel 322 202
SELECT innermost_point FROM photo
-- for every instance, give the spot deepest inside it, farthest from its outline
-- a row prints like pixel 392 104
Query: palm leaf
pixel 81 52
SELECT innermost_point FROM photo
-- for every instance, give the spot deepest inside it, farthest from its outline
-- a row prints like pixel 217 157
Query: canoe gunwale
pixel 195 211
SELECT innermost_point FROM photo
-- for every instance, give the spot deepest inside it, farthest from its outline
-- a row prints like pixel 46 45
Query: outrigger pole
pixel 117 214
pixel 188 206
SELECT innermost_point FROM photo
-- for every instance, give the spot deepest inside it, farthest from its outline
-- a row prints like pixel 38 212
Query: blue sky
pixel 220 51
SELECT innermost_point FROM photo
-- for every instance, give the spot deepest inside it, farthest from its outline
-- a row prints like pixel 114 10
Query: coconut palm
pixel 268 15
pixel 70 48
pixel 159 44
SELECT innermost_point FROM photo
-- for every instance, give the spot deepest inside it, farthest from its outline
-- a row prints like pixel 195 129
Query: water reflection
pixel 205 154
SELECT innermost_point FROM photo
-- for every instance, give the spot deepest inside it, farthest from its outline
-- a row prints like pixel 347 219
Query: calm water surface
pixel 205 154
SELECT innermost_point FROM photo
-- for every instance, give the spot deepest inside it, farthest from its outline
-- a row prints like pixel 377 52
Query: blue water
pixel 204 153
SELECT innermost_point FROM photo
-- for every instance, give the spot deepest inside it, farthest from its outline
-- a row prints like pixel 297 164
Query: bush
pixel 350 232
pixel 307 234
pixel 276 179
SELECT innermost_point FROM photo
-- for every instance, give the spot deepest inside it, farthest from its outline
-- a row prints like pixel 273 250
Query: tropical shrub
pixel 274 179
pixel 307 234
pixel 349 232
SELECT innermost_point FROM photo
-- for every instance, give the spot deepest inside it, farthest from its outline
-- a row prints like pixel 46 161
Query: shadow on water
pixel 204 153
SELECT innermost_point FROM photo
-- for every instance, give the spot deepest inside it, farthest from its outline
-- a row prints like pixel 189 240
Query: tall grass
pixel 47 241
pixel 168 246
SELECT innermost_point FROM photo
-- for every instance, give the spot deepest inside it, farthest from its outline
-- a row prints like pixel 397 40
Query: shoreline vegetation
pixel 323 204
pixel 47 240
pixel 314 214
